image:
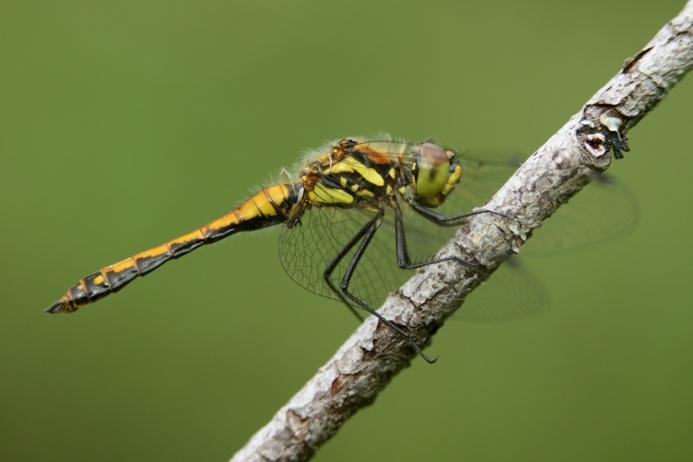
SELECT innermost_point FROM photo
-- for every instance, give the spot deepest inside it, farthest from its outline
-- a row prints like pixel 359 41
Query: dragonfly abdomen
pixel 268 207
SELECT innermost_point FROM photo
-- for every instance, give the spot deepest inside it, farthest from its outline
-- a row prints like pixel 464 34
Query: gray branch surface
pixel 368 360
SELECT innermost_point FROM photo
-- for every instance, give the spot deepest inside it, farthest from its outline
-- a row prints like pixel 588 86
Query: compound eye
pixel 433 171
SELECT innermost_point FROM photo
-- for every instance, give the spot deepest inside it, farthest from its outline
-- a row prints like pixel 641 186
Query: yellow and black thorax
pixel 357 173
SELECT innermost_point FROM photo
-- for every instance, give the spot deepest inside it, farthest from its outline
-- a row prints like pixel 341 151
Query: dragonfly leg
pixel 403 259
pixel 443 220
pixel 329 269
pixel 365 235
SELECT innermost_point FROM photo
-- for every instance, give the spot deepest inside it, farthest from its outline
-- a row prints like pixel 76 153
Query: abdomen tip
pixel 57 307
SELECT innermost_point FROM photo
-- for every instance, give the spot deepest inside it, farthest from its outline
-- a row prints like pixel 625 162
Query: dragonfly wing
pixel 606 209
pixel 307 249
pixel 511 292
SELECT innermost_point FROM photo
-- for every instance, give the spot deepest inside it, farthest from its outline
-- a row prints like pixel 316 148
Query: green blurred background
pixel 123 124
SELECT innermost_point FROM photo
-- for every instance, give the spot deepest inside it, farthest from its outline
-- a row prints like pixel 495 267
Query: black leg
pixel 329 269
pixel 366 235
pixel 443 220
pixel 403 260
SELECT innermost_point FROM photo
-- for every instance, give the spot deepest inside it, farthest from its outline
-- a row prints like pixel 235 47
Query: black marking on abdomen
pixel 181 248
pixel 78 295
pixel 96 291
pixel 119 279
pixel 147 264
pixel 213 235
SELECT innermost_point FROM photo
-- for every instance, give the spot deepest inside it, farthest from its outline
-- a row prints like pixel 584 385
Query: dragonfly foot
pixel 415 347
pixel 428 359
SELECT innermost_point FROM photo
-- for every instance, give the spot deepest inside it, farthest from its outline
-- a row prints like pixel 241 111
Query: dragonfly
pixel 357 214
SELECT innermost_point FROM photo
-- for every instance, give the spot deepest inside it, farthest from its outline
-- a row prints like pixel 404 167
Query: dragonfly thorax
pixel 358 173
pixel 353 174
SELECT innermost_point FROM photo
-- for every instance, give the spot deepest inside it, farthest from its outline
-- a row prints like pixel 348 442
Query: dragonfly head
pixel 436 173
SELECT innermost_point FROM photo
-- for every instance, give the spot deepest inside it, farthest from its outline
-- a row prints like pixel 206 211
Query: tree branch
pixel 367 361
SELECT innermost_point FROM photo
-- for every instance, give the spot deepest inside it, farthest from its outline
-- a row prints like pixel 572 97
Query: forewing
pixel 604 210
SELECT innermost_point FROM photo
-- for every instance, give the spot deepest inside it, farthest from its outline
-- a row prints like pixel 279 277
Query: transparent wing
pixel 511 292
pixel 305 251
pixel 604 210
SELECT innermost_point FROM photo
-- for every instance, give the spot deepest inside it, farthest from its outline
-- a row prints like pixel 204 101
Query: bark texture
pixel 369 359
